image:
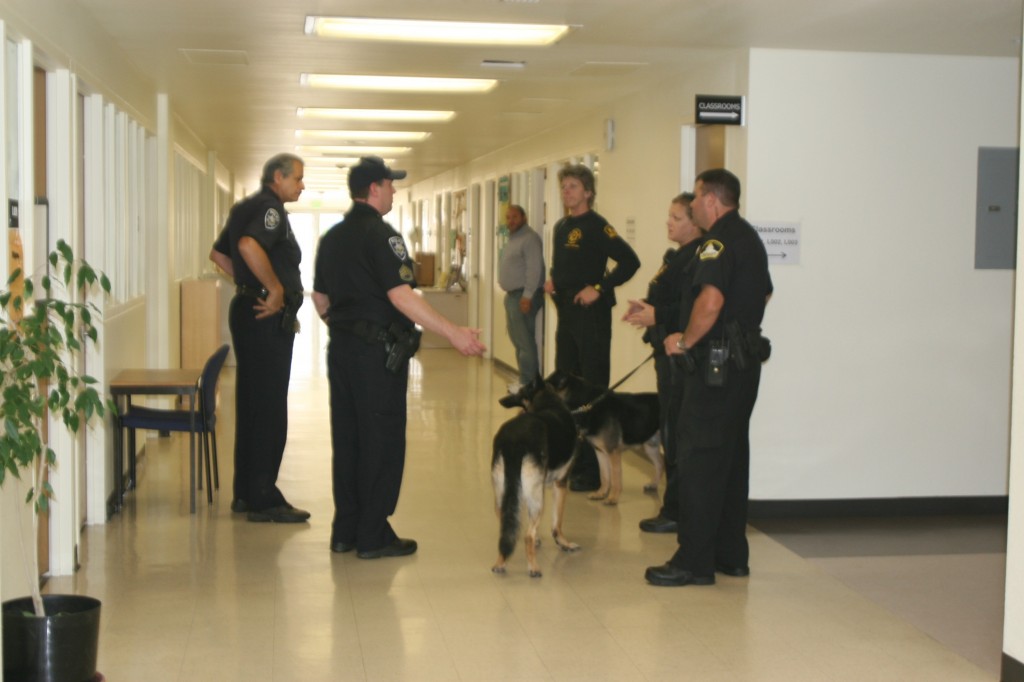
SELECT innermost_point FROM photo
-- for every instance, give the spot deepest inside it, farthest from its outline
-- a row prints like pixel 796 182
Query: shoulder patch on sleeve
pixel 405 272
pixel 397 245
pixel 610 231
pixel 711 250
pixel 271 219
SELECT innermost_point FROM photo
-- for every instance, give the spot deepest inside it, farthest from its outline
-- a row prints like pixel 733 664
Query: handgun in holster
pixel 290 312
pixel 400 344
pixel 747 347
pixel 737 344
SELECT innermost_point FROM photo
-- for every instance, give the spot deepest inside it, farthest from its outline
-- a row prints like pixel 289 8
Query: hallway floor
pixel 211 597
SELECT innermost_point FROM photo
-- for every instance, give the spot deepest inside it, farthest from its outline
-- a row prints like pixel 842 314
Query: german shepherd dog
pixel 613 422
pixel 535 448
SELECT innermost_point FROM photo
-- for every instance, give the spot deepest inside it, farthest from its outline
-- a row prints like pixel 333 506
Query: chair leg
pixel 205 446
pixel 216 466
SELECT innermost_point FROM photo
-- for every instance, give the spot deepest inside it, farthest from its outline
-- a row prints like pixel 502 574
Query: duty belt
pixel 364 329
pixel 255 292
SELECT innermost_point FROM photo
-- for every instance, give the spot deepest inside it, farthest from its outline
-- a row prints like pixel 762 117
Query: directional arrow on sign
pixel 724 115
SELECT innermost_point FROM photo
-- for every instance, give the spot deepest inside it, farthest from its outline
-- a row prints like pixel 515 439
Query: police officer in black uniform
pixel 257 247
pixel 722 344
pixel 662 313
pixel 584 294
pixel 363 289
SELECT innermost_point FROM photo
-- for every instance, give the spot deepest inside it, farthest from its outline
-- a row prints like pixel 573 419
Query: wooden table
pixel 180 382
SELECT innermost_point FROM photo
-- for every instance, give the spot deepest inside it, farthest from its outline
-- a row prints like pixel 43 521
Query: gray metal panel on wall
pixel 995 235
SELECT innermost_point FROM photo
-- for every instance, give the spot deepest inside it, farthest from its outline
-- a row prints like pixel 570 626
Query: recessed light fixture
pixel 397 83
pixel 447 32
pixel 351 150
pixel 403 115
pixel 502 64
pixel 365 135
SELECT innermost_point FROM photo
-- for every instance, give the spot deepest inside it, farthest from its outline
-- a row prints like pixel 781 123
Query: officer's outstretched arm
pixel 413 306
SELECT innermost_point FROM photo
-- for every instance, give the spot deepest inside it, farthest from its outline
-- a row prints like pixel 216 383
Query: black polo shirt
pixel 262 217
pixel 733 260
pixel 358 261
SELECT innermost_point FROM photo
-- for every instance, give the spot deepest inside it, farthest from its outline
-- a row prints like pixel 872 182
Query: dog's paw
pixel 569 547
pixel 598 495
pixel 611 501
pixel 498 569
pixel 535 574
pixel 651 488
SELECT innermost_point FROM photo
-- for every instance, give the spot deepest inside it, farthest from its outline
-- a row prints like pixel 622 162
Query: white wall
pixel 1013 611
pixel 890 374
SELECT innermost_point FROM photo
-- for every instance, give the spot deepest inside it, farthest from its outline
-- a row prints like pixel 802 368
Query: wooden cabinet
pixel 204 319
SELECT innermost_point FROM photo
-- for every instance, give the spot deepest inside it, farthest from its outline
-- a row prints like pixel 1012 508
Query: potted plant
pixel 40 338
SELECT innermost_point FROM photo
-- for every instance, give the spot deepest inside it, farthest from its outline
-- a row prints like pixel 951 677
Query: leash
pixel 583 409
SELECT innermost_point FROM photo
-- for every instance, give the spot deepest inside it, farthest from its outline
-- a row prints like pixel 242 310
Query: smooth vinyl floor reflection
pixel 212 597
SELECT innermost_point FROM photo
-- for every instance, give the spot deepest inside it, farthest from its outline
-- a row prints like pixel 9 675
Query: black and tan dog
pixel 531 450
pixel 613 422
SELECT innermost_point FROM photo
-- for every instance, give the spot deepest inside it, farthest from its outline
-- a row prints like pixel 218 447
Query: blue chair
pixel 136 417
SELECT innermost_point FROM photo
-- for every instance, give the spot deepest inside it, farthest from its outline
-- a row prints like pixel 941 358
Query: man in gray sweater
pixel 521 276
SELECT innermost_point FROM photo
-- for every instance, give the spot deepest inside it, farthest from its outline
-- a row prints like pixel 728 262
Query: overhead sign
pixel 720 109
pixel 781 241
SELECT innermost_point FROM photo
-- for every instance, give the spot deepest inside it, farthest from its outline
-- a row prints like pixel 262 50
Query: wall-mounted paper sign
pixel 781 240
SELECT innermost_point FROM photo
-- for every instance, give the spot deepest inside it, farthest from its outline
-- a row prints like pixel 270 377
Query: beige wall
pixel 637 179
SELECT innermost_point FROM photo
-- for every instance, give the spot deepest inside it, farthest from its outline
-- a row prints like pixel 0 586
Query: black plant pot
pixel 62 647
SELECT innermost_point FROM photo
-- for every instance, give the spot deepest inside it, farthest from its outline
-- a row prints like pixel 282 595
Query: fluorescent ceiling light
pixel 365 135
pixel 400 83
pixel 447 32
pixel 502 64
pixel 404 115
pixel 352 149
pixel 316 163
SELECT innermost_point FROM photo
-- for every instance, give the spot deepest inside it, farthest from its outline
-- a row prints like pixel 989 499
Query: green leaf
pixel 65 250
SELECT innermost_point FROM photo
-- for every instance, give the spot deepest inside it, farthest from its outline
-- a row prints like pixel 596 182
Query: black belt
pixel 255 292
pixel 370 332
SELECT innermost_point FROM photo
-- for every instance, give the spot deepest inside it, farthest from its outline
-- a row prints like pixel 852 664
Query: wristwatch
pixel 680 345
pixel 597 287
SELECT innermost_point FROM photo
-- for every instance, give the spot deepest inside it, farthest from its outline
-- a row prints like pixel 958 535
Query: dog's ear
pixel 511 400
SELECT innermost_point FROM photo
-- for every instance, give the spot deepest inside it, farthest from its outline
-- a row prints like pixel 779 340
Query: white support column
pixel 99 474
pixel 26 160
pixel 60 192
pixel 160 249
pixel 687 158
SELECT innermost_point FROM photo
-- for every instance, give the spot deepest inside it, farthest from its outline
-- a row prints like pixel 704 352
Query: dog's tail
pixel 510 503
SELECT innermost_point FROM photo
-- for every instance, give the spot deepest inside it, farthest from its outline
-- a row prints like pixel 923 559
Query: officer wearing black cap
pixel 363 290
pixel 722 346
pixel 257 247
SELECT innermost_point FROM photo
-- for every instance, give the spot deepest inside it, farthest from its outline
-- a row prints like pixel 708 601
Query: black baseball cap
pixel 369 170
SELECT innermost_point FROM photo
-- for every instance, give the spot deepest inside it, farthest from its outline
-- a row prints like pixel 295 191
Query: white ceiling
pixel 247 112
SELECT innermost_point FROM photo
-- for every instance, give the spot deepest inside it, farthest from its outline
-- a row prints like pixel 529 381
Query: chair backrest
pixel 208 381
